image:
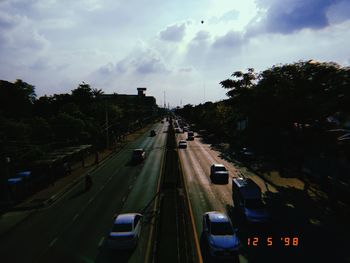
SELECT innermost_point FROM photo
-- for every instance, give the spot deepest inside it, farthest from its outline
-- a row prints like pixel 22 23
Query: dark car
pixel 152 133
pixel 218 173
pixel 246 154
pixel 138 155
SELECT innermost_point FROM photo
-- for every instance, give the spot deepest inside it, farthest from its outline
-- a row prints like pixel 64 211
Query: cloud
pixel 149 63
pixel 226 17
pixel 141 61
pixel 339 12
pixel 185 70
pixel 230 40
pixel 174 33
pixel 289 16
pixel 202 36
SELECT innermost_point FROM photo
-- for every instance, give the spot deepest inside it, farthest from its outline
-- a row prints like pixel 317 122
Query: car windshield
pixel 126 227
pixel 220 169
pixel 222 228
pixel 253 203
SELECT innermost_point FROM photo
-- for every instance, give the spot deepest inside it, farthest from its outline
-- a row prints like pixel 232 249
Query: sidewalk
pixel 53 192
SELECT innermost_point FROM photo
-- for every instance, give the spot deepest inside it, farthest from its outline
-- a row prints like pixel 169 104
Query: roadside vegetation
pixel 295 115
pixel 30 127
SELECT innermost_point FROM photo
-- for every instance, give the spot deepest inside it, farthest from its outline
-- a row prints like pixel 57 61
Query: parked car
pixel 218 173
pixel 182 144
pixel 152 133
pixel 246 154
pixel 138 155
pixel 125 232
pixel 220 237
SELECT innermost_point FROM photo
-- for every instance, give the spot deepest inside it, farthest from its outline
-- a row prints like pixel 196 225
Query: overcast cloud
pixel 55 45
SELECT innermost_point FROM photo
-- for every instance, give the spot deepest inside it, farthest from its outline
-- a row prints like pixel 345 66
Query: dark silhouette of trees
pixel 285 109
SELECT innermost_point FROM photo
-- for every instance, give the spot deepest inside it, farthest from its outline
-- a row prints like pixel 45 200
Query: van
pixel 246 196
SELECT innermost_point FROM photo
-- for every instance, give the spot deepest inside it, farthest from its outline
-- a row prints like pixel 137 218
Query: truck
pixel 246 196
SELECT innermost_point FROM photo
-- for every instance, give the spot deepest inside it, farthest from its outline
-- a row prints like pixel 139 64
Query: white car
pixel 220 236
pixel 182 144
pixel 125 232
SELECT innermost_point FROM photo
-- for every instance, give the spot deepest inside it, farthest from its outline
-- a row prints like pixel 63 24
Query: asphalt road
pixel 74 228
pixel 291 211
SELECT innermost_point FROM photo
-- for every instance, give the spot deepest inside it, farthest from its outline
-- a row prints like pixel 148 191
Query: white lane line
pixel 124 198
pixel 53 242
pixel 103 186
pixel 130 186
pixel 75 217
pixel 90 200
pixel 101 241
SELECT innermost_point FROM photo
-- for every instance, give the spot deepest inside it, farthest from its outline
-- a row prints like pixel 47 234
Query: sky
pixel 163 45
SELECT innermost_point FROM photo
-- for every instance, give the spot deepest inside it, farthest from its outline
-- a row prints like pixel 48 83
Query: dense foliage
pixel 286 111
pixel 31 126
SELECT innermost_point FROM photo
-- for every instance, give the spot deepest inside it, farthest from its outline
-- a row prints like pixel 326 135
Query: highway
pixel 74 228
pixel 205 196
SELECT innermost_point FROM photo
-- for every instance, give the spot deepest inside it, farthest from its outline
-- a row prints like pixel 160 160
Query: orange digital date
pixel 269 241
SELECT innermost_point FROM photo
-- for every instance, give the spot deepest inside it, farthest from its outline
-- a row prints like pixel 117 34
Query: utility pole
pixel 164 100
pixel 107 134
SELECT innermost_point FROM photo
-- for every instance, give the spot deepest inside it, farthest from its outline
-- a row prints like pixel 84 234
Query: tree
pixel 16 99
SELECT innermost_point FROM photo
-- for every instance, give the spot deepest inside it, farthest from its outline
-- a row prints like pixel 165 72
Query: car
pixel 246 196
pixel 152 133
pixel 218 173
pixel 190 136
pixel 220 237
pixel 247 154
pixel 182 144
pixel 138 155
pixel 125 231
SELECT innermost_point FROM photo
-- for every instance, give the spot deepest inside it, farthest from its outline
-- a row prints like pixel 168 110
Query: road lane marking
pixel 152 227
pixel 75 217
pixel 90 200
pixel 124 198
pixel 196 239
pixel 101 241
pixel 53 242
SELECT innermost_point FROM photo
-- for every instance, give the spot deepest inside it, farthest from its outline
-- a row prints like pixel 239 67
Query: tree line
pixel 32 126
pixel 290 111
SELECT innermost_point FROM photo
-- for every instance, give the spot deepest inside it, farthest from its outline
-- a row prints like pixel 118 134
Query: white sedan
pixel 125 232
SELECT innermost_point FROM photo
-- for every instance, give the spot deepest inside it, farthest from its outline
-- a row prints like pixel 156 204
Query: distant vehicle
pixel 247 154
pixel 190 135
pixel 152 133
pixel 177 130
pixel 125 232
pixel 218 173
pixel 182 144
pixel 246 195
pixel 138 155
pixel 220 236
